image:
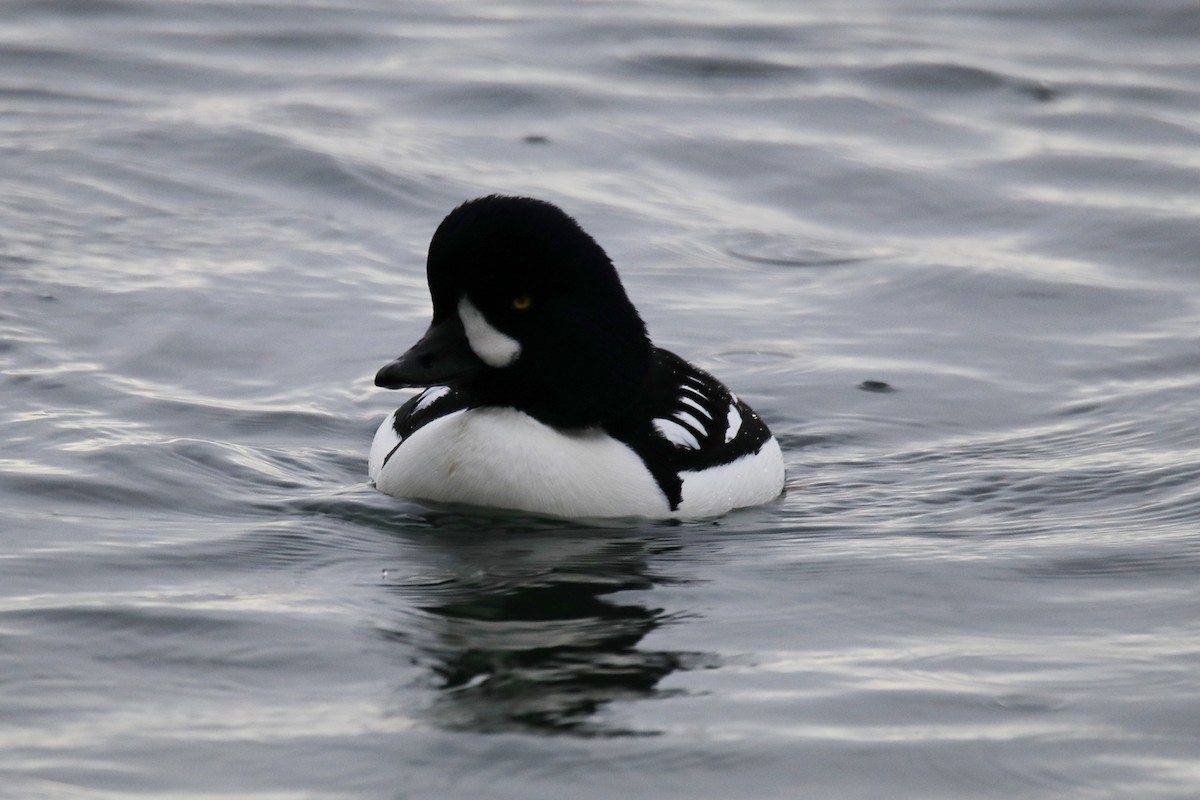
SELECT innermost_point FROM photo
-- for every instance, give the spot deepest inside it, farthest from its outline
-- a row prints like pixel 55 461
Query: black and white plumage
pixel 545 394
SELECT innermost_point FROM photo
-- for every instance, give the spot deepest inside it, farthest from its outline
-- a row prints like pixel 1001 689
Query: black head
pixel 528 311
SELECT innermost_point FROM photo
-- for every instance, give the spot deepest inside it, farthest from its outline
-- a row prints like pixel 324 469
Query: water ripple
pixel 214 229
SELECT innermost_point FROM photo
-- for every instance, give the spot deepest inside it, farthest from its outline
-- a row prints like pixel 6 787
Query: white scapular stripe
pixel 683 398
pixel 496 349
pixel 676 434
pixel 688 419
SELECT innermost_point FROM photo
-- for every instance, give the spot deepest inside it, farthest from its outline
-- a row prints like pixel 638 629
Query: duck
pixel 542 393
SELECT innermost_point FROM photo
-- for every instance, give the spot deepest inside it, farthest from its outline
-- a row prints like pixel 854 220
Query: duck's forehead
pixel 484 273
pixel 466 236
pixel 479 253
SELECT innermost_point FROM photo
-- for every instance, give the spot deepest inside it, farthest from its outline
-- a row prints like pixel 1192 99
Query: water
pixel 982 584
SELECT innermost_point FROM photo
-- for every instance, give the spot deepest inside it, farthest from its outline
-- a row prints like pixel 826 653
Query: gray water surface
pixel 980 584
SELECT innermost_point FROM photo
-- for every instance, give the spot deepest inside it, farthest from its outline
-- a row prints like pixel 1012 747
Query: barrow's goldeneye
pixel 544 392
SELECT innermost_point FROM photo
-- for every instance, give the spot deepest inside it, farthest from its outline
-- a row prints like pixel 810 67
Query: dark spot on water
pixel 1041 91
pixel 535 138
pixel 879 387
pixel 1034 703
pixel 84 8
pixel 1038 294
pixel 793 251
pixel 1079 408
pixel 706 67
pixel 935 77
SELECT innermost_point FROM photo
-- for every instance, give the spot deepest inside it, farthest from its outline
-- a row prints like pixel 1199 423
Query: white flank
pixel 676 434
pixel 735 423
pixel 496 349
pixel 470 457
pixel 751 480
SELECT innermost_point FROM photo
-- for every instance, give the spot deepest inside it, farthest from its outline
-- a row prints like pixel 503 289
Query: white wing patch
pixel 676 434
pixel 735 423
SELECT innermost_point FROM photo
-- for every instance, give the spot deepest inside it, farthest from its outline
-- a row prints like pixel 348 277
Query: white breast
pixel 506 459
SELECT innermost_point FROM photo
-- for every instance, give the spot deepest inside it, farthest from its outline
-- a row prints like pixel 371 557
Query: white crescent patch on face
pixel 494 348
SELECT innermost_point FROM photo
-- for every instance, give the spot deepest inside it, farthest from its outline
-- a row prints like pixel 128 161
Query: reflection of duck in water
pixel 518 643
pixel 546 394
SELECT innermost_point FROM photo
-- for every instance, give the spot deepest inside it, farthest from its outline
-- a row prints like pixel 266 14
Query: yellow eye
pixel 522 302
